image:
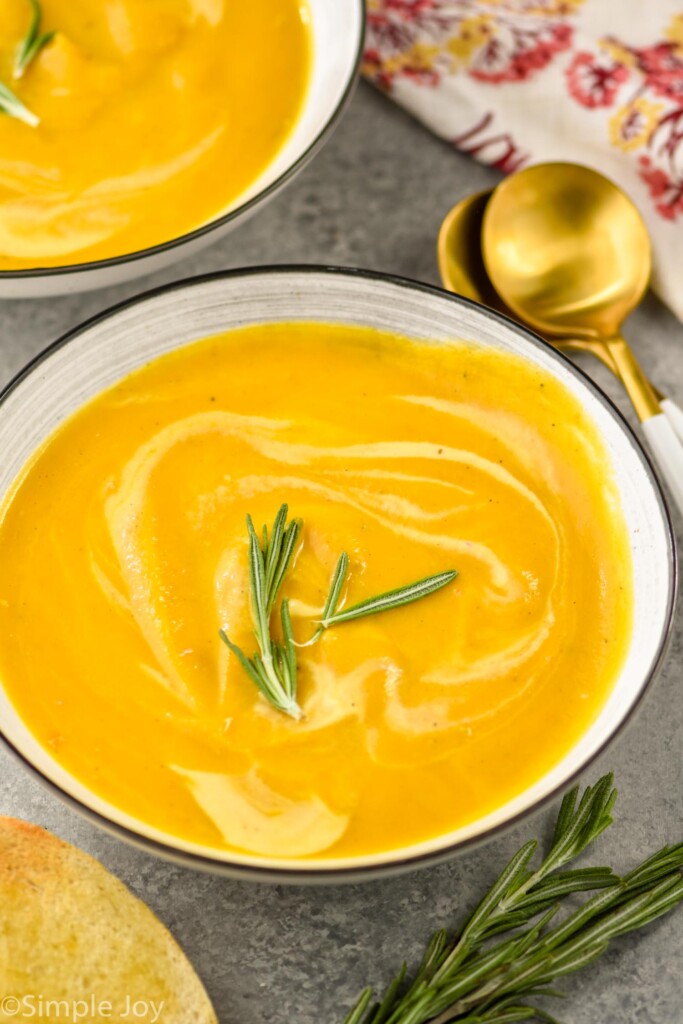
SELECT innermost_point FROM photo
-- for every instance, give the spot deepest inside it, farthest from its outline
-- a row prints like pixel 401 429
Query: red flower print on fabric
pixel 496 149
pixel 662 66
pixel 515 55
pixel 649 114
pixel 667 191
pixel 594 80
pixel 425 40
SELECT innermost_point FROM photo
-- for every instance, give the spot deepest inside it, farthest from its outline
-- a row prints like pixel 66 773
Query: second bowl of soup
pixel 143 129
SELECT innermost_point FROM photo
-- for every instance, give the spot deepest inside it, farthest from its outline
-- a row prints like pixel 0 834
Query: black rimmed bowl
pixel 337 30
pixel 107 348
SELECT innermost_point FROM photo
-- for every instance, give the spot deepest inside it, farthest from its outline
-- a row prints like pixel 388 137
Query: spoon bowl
pixel 567 249
pixel 461 264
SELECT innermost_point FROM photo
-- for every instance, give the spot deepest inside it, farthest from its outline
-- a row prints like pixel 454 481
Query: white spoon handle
pixel 668 454
pixel 674 414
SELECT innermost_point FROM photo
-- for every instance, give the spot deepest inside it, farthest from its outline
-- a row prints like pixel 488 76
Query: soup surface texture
pixel 155 117
pixel 124 550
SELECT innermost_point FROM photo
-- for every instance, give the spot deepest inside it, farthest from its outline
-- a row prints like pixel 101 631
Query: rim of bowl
pixel 308 153
pixel 299 873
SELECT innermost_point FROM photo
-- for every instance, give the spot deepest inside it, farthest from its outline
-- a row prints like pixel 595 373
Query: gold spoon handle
pixel 602 352
pixel 638 387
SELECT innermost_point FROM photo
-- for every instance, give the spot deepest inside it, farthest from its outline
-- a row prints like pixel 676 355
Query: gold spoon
pixel 570 254
pixel 462 270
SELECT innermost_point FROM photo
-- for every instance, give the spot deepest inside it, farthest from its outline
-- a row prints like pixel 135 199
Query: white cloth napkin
pixel 516 82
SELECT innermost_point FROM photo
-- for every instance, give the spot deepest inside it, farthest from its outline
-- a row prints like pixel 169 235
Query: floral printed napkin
pixel 515 82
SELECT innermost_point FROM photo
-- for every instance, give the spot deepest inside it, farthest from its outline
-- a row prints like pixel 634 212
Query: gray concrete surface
pixel 374 197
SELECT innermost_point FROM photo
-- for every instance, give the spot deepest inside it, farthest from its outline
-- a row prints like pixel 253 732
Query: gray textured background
pixel 374 198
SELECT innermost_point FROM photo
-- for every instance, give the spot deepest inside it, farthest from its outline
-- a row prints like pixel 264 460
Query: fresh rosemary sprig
pixel 32 43
pixel 12 105
pixel 386 601
pixel 373 605
pixel 273 668
pixel 29 48
pixel 471 980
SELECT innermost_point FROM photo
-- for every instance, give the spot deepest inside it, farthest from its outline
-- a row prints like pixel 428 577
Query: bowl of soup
pixel 415 433
pixel 146 129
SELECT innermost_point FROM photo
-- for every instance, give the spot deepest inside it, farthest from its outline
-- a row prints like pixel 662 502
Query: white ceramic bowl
pixel 338 28
pixel 113 344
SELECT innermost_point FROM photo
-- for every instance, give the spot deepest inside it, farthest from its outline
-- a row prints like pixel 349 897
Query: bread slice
pixel 70 930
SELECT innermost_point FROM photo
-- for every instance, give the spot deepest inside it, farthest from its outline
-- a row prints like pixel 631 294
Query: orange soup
pixel 125 551
pixel 148 118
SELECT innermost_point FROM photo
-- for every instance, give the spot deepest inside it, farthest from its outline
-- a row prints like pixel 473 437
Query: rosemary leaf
pixel 336 586
pixel 259 591
pixel 356 1014
pixel 290 651
pixel 12 105
pixel 289 541
pixel 332 599
pixel 380 1014
pixel 273 667
pixel 273 547
pixel 246 664
pixel 390 599
pixel 32 43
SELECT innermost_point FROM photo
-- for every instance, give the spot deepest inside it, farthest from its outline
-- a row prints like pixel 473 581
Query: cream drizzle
pixel 252 816
pixel 331 698
pixel 30 228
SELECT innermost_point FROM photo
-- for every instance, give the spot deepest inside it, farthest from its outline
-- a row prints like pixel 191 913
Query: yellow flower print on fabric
pixel 631 126
pixel 472 34
pixel 674 33
pixel 620 54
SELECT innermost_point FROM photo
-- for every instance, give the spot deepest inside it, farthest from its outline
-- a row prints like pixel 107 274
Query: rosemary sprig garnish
pixel 29 48
pixel 386 601
pixel 32 43
pixel 273 667
pixel 12 105
pixel 469 979
pixel 372 605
